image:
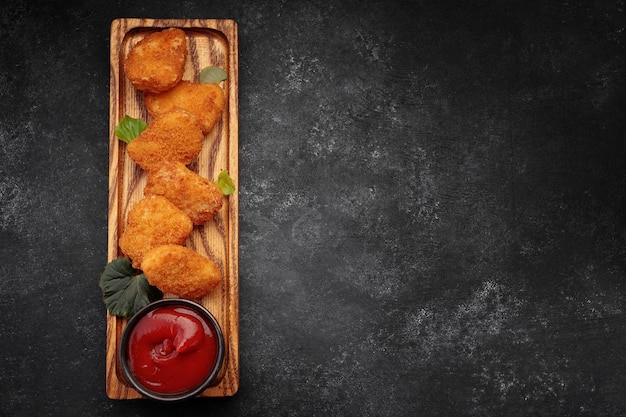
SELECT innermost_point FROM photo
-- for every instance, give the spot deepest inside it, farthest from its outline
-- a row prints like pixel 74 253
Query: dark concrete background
pixel 432 208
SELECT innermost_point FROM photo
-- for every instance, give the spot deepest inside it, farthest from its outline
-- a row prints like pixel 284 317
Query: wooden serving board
pixel 210 42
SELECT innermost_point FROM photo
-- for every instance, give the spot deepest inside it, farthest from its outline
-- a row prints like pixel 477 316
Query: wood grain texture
pixel 210 42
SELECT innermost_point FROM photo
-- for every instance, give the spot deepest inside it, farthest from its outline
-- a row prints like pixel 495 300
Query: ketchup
pixel 172 350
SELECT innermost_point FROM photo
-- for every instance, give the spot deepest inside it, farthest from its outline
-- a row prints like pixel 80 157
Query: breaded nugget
pixel 181 271
pixel 204 101
pixel 172 136
pixel 157 62
pixel 153 221
pixel 199 197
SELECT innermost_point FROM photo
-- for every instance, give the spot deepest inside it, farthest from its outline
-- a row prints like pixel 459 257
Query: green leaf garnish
pixel 129 128
pixel 212 75
pixel 125 290
pixel 225 182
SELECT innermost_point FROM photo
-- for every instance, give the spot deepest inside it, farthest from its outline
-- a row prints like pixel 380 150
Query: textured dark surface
pixel 432 208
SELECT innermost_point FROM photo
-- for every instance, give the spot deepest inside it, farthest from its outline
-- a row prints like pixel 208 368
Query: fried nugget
pixel 153 221
pixel 181 271
pixel 199 197
pixel 205 101
pixel 172 136
pixel 157 62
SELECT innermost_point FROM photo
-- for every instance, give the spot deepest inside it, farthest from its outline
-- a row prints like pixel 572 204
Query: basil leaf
pixel 125 291
pixel 212 75
pixel 129 128
pixel 225 182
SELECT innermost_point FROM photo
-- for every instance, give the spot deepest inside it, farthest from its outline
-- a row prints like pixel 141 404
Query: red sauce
pixel 172 350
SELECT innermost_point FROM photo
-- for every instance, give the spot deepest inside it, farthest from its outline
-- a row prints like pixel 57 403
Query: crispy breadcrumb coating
pixel 204 101
pixel 181 271
pixel 157 62
pixel 199 197
pixel 153 221
pixel 172 136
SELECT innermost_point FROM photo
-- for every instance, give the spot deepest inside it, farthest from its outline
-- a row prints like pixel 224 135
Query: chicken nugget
pixel 153 221
pixel 173 136
pixel 181 271
pixel 199 197
pixel 205 101
pixel 157 62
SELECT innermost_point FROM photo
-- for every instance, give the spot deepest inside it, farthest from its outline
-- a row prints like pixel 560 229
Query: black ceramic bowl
pixel 158 308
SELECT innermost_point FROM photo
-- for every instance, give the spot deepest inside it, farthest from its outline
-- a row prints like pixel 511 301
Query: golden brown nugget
pixel 181 271
pixel 157 62
pixel 205 101
pixel 173 136
pixel 199 197
pixel 153 221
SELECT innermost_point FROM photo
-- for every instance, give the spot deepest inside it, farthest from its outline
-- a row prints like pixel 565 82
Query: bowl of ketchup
pixel 171 350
